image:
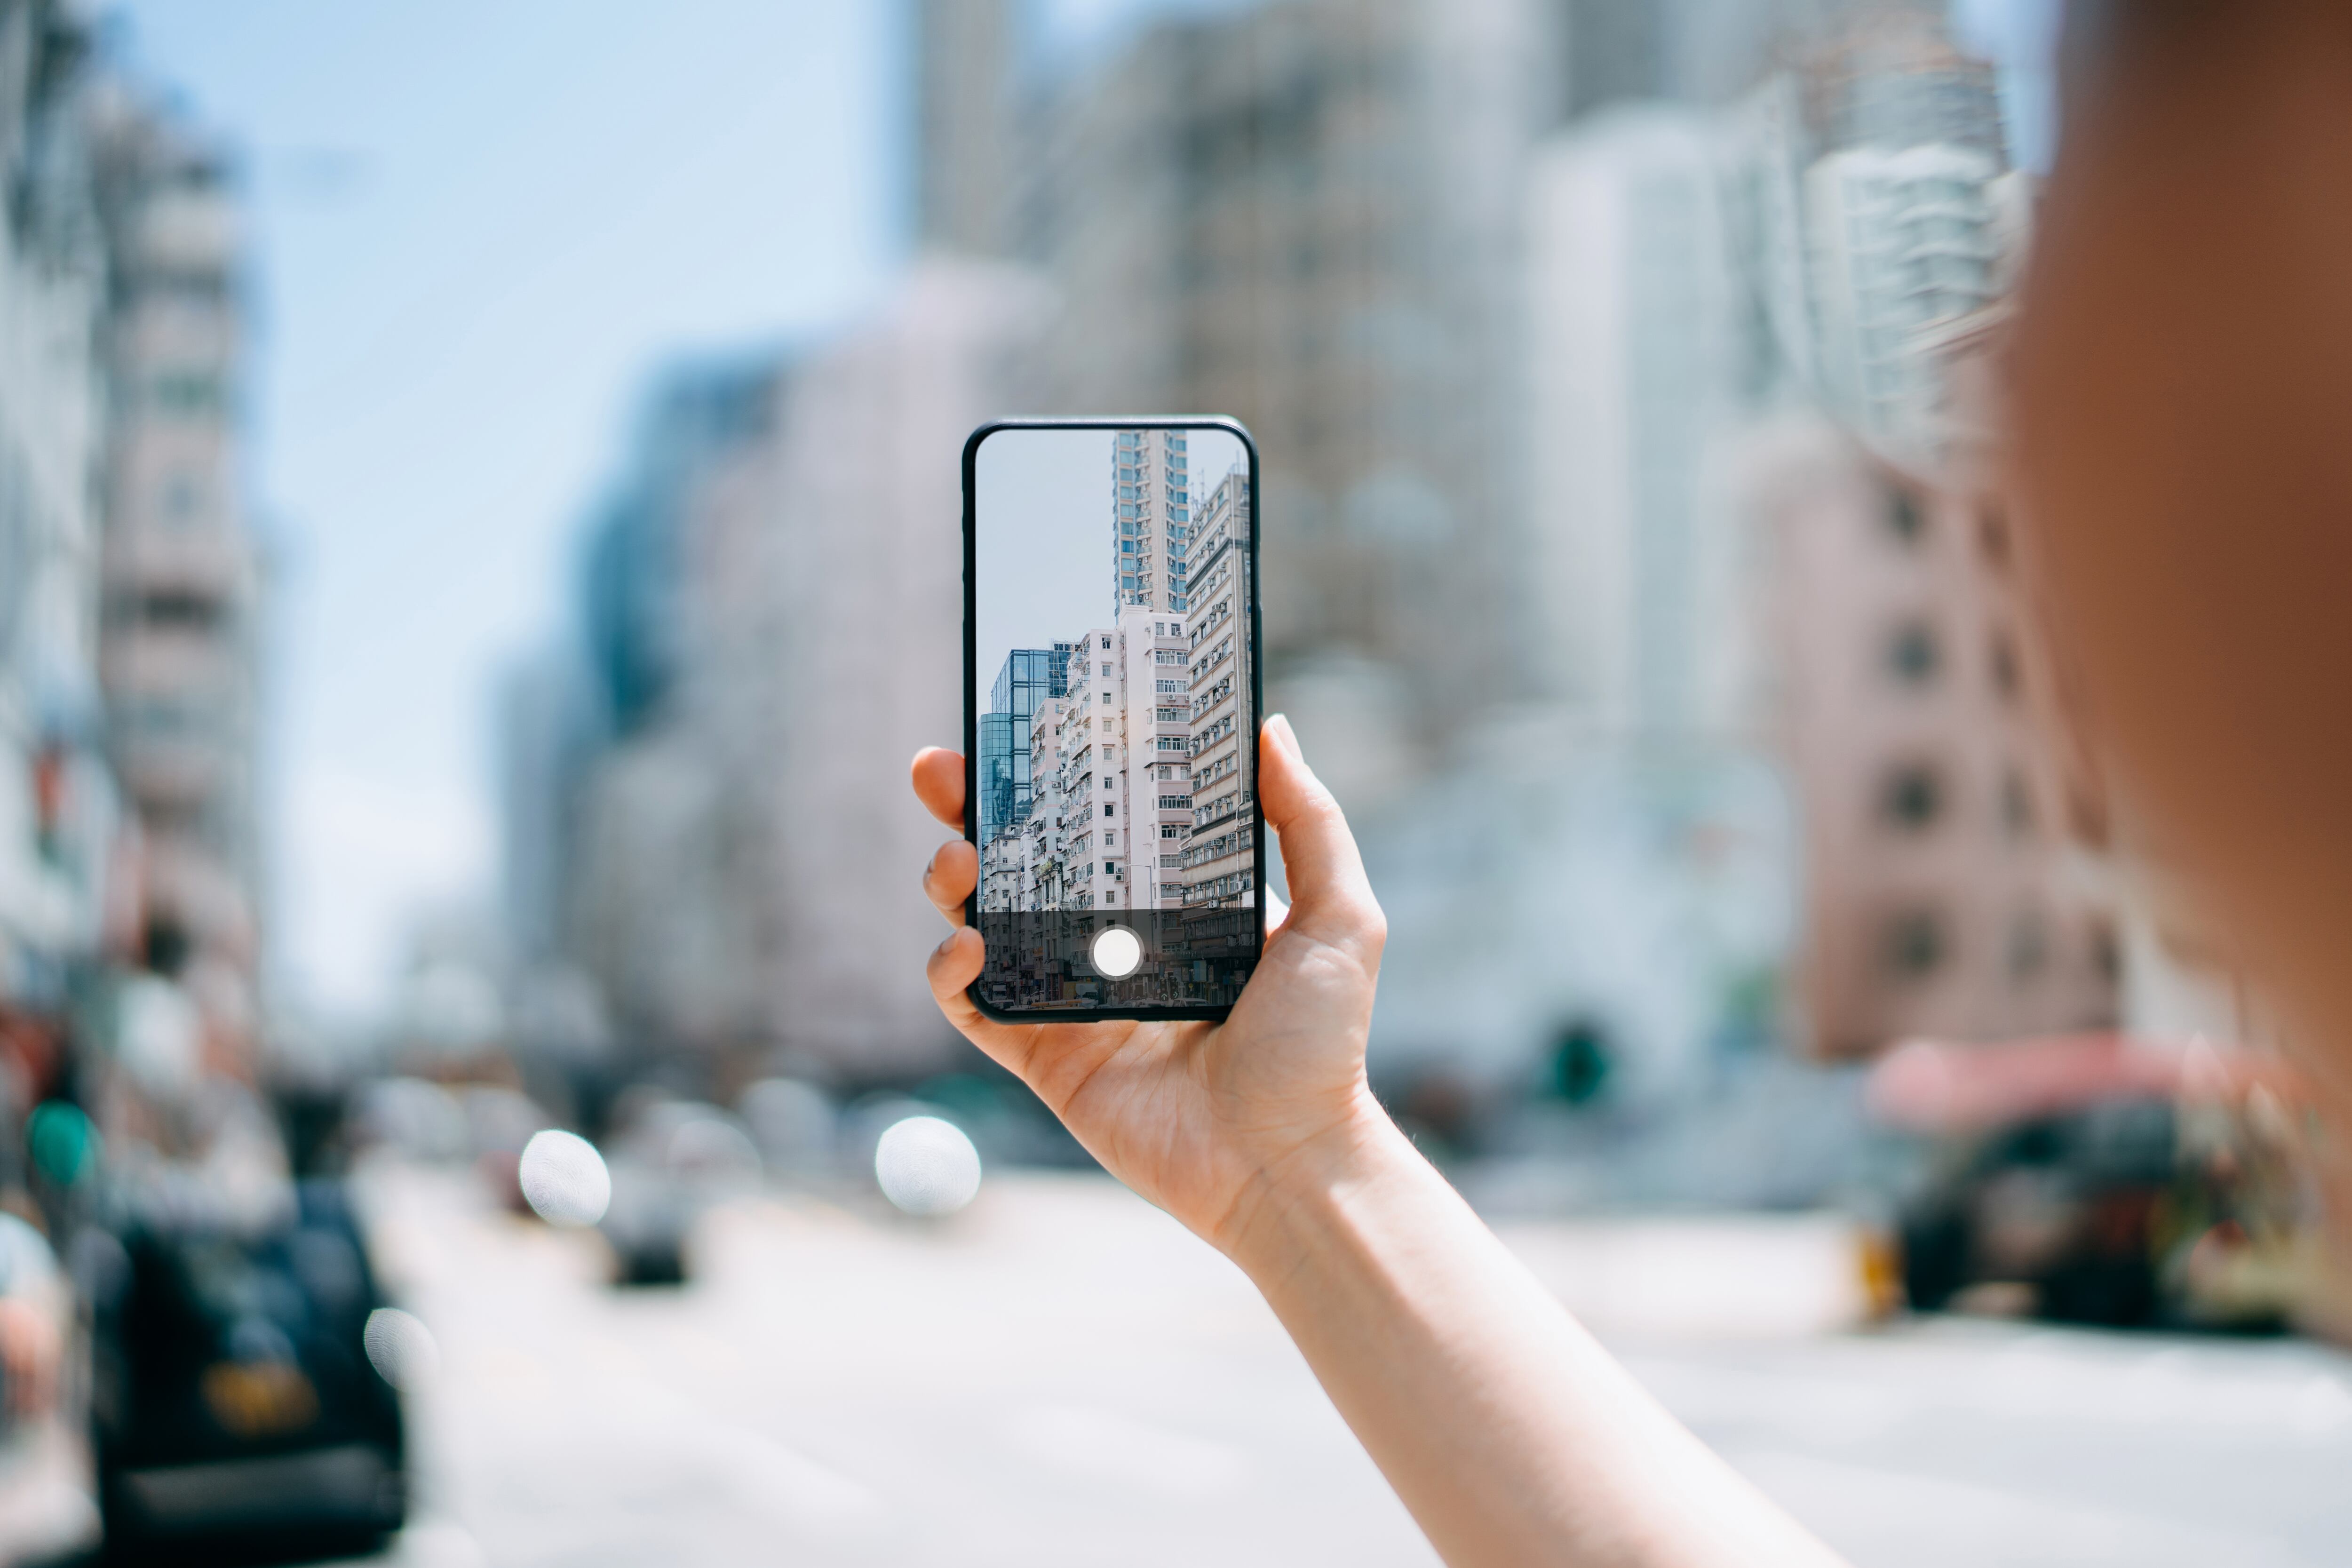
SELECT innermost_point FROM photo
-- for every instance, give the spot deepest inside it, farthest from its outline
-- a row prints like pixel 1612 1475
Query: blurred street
pixel 1062 1377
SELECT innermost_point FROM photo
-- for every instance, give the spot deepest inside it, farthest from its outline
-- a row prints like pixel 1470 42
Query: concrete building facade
pixel 1218 855
pixel 182 575
pixel 58 808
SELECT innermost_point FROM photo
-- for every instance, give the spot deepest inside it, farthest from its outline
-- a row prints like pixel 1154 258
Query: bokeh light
pixel 927 1167
pixel 401 1348
pixel 564 1180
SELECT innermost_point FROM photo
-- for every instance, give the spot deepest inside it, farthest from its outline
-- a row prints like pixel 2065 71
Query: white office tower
pixel 1634 565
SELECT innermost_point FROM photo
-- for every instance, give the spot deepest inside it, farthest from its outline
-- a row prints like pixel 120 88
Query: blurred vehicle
pixel 233 1401
pixel 2096 1179
pixel 498 1122
pixel 672 1161
pixel 415 1116
pixel 795 1125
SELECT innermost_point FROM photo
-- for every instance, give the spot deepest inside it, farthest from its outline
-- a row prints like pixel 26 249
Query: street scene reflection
pixel 480 546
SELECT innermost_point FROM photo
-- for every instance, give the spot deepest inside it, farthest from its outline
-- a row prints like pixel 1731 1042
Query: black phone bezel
pixel 971 686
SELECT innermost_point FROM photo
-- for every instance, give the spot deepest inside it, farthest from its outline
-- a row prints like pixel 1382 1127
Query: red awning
pixel 1943 1086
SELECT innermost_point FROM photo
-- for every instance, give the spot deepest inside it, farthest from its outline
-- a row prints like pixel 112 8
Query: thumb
pixel 1330 896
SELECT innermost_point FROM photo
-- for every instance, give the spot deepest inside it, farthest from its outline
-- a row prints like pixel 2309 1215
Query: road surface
pixel 1061 1376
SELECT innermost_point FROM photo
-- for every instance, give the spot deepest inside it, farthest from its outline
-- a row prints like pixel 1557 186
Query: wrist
pixel 1306 1187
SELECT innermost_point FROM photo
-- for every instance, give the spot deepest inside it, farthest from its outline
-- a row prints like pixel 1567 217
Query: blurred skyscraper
pixel 966 125
pixel 768 629
pixel 58 805
pixel 1635 389
pixel 130 861
pixel 1305 214
pixel 183 577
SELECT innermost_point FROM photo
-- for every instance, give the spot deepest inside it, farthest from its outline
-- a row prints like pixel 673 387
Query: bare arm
pixel 1506 1429
pixel 1510 1433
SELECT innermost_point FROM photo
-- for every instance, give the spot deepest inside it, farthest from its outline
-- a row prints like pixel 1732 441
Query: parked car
pixel 233 1403
pixel 2099 1179
pixel 673 1160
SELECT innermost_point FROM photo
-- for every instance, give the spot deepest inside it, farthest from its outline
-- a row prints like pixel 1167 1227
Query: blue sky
pixel 477 229
pixel 478 226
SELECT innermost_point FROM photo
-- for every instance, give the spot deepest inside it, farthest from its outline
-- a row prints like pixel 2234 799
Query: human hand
pixel 1201 1118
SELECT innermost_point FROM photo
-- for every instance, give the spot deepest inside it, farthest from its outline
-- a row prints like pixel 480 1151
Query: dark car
pixel 2101 1179
pixel 2069 1205
pixel 235 1410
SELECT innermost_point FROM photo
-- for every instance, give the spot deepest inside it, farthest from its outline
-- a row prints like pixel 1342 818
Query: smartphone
pixel 1111 702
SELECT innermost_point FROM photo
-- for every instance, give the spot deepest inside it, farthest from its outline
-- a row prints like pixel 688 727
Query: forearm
pixel 1510 1434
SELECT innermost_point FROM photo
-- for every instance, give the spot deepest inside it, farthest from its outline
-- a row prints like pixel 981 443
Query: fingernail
pixel 949 941
pixel 1278 725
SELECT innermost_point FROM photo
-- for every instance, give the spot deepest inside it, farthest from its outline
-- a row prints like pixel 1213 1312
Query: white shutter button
pixel 1116 953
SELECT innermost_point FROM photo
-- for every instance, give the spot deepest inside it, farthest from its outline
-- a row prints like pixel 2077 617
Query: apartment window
pixel 2106 950
pixel 1911 944
pixel 183 498
pixel 1106 642
pixel 2005 663
pixel 1110 808
pixel 1904 518
pixel 187 392
pixel 1992 536
pixel 2028 947
pixel 192 611
pixel 1912 653
pixel 1911 796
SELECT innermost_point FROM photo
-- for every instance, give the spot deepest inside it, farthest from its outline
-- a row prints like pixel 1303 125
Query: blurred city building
pixel 59 810
pixel 703 778
pixel 129 581
pixel 1642 368
pixel 182 575
pixel 1304 214
pixel 1525 301
pixel 1948 891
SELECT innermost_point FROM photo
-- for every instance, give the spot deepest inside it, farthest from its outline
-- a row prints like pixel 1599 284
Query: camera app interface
pixel 1117 751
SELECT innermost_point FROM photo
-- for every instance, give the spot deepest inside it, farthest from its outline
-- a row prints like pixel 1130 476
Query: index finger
pixel 937 774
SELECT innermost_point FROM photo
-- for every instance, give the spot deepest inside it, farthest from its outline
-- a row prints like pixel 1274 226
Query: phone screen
pixel 1112 637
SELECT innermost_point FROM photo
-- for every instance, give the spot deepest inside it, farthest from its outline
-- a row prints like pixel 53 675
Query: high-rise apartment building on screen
pixel 1152 498
pixel 1218 863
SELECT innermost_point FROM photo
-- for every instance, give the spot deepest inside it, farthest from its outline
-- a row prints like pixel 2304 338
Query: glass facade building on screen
pixel 1027 676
